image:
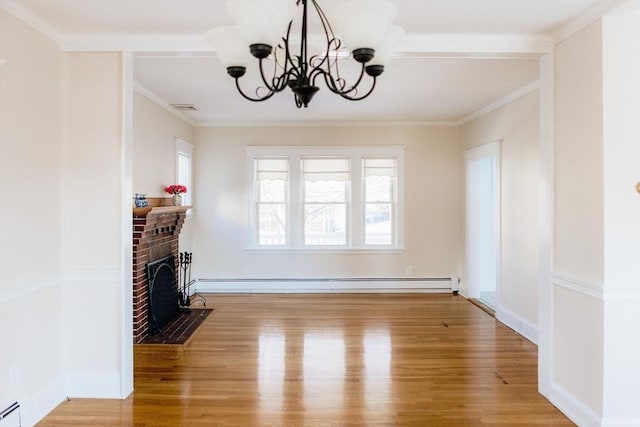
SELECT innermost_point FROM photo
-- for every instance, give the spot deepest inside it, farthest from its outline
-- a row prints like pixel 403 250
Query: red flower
pixel 175 189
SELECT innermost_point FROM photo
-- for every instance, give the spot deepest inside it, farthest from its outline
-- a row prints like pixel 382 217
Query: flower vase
pixel 176 199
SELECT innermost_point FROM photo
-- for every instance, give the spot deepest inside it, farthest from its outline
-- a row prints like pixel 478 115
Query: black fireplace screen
pixel 163 292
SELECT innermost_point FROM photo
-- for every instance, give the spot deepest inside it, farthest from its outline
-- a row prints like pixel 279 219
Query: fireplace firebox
pixel 163 292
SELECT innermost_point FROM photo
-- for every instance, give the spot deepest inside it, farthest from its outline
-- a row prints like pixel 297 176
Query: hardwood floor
pixel 331 360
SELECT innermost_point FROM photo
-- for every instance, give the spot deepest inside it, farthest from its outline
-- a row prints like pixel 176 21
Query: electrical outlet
pixel 408 270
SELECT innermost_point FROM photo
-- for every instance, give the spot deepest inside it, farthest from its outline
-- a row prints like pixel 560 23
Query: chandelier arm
pixel 278 83
pixel 330 39
pixel 332 83
pixel 328 30
pixel 288 68
pixel 259 98
pixel 359 98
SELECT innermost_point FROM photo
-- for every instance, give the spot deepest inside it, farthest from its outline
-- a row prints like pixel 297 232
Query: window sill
pixel 324 251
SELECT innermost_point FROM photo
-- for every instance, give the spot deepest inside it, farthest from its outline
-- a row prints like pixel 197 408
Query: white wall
pixel 578 241
pixel 432 191
pixel 154 154
pixel 154 147
pixel 596 343
pixel 93 241
pixel 63 317
pixel 621 155
pixel 578 155
pixel 516 124
pixel 31 303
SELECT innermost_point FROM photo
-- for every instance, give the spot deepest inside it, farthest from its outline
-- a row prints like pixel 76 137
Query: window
pixel 379 177
pixel 325 198
pixel 184 162
pixel 272 176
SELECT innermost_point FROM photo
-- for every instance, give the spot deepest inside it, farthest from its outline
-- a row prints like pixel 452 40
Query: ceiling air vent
pixel 185 107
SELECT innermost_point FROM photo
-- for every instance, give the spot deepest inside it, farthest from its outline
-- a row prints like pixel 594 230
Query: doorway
pixel 482 198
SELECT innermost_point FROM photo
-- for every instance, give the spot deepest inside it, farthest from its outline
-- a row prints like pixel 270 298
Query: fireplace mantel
pixel 158 210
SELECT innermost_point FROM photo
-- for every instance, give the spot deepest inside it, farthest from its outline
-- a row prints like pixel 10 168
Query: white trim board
pixel 37 404
pixel 26 288
pixel 94 385
pixel 573 408
pixel 40 402
pixel 376 123
pixel 603 292
pixel 355 285
pixel 518 324
pixel 92 276
pixel 18 10
pixel 463 45
pixel 513 96
pixel 137 87
pixel 585 19
pixel 576 284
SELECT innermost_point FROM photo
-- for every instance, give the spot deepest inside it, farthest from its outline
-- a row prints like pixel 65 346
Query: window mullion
pixel 356 206
pixel 296 203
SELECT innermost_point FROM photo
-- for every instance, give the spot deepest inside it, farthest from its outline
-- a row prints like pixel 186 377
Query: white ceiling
pixel 458 56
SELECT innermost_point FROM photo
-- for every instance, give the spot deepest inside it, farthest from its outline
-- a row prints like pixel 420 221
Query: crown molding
pixel 481 45
pixel 161 103
pixel 18 10
pixel 373 123
pixel 500 102
pixel 135 43
pixel 449 45
pixel 586 18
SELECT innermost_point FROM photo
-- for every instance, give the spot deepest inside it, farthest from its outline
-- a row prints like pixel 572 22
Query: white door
pixel 482 167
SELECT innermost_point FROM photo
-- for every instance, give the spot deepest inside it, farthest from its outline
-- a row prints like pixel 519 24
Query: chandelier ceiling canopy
pixel 288 56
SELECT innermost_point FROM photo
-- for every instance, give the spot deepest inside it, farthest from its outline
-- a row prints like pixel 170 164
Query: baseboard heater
pixel 10 416
pixel 335 285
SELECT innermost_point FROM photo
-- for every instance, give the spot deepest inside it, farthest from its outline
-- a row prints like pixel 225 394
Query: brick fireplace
pixel 155 236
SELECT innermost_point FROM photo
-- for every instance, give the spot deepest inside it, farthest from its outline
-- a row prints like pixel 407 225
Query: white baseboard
pixel 518 324
pixel 620 422
pixel 326 286
pixel 35 406
pixel 573 408
pixel 96 386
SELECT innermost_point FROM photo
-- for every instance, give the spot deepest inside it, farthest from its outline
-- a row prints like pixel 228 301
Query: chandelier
pixel 265 30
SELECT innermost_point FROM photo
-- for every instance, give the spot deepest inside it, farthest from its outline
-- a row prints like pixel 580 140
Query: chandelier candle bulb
pixel 265 31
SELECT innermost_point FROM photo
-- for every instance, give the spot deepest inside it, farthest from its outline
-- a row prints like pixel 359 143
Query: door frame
pixel 491 149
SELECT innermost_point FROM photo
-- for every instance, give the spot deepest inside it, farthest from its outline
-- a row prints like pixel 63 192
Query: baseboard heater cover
pixel 10 416
pixel 331 285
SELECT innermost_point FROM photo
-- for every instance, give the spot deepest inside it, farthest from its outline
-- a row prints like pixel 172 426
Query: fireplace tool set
pixel 185 282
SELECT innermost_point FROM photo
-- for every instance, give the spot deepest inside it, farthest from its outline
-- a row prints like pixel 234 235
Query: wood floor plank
pixel 331 360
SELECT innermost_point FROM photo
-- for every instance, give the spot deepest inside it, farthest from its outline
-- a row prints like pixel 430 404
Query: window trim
pixel 185 148
pixel 295 225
